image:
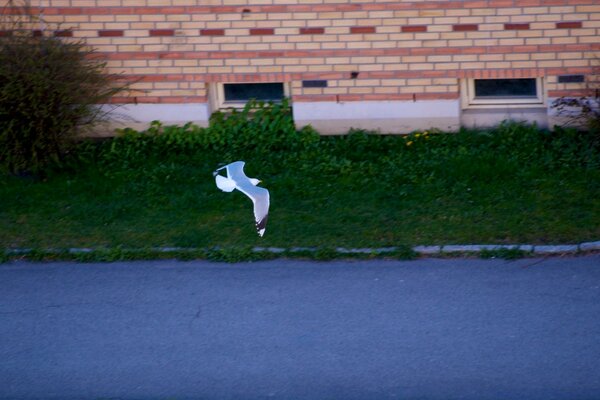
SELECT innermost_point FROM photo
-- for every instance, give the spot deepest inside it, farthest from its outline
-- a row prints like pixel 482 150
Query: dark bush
pixel 49 92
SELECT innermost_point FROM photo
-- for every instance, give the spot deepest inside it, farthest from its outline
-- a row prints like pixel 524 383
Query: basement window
pixel 490 93
pixel 238 94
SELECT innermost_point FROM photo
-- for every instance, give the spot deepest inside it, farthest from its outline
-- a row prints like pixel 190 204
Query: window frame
pixel 470 101
pixel 222 104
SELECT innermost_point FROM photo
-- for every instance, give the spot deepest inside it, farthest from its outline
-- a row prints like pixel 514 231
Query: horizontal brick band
pixel 571 93
pixel 158 99
pixel 288 77
pixel 239 78
pixel 329 97
pixel 313 31
pixel 551 48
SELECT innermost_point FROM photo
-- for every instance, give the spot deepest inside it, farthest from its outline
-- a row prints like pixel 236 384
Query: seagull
pixel 236 179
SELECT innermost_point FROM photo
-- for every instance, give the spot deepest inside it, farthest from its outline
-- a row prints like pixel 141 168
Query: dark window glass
pixel 257 91
pixel 505 88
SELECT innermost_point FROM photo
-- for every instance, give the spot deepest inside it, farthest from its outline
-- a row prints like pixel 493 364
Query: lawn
pixel 513 184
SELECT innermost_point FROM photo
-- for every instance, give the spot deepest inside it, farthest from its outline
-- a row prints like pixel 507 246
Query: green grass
pixel 516 184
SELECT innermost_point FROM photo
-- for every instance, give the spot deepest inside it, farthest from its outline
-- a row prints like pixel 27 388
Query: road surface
pixel 285 329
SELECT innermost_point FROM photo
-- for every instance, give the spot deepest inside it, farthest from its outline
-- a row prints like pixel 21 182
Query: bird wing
pixel 260 199
pixel 235 171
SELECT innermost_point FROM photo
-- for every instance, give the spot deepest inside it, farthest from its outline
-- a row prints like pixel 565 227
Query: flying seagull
pixel 236 179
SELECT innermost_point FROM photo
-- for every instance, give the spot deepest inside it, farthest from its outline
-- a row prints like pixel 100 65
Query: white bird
pixel 236 179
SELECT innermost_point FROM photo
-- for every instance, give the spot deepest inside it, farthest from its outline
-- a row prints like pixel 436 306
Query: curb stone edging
pixel 419 250
pixel 589 246
pixel 556 249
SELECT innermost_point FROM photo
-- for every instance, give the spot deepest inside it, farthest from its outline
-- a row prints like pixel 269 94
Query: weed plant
pixel 514 183
pixel 50 89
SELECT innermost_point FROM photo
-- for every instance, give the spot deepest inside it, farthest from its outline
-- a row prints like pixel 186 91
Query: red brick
pixel 438 51
pixel 525 49
pixel 270 54
pixel 273 9
pixel 414 28
pixel 437 96
pixel 173 55
pixel 312 31
pixel 362 29
pixel 110 33
pixel 212 32
pixel 500 3
pixel 262 31
pixel 568 25
pixel 384 97
pixel 475 4
pixel 465 27
pixel 162 32
pixel 64 33
pixel 516 27
pixel 571 93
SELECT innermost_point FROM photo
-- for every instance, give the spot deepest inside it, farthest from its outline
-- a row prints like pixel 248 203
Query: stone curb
pixel 421 250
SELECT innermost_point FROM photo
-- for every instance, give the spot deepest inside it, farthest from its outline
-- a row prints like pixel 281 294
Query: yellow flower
pixel 417 135
pixel 409 143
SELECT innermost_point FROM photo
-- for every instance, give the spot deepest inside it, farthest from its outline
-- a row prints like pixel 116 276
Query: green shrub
pixel 49 92
pixel 259 128
pixel 264 134
pixel 258 131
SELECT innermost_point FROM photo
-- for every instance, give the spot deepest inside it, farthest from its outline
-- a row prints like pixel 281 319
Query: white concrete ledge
pixel 139 116
pixel 383 116
pixel 487 117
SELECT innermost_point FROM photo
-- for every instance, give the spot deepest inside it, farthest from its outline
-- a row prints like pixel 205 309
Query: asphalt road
pixel 426 329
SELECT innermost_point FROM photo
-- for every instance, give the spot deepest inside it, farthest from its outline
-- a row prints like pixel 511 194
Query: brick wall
pixel 402 50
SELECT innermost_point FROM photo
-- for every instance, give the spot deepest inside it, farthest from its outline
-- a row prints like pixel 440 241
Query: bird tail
pixel 261 226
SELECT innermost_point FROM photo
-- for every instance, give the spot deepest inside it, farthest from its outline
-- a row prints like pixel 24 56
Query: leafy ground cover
pixel 512 184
